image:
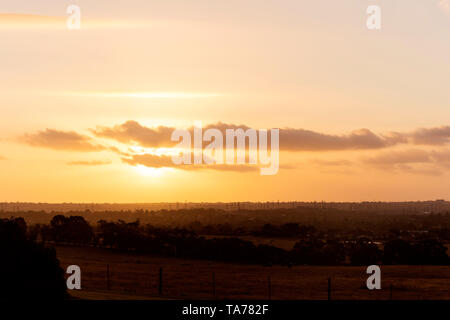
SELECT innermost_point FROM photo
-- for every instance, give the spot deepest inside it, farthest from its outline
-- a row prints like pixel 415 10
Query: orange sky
pixel 363 115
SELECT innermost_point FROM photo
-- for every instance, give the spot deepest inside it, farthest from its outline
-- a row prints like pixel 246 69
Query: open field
pixel 134 276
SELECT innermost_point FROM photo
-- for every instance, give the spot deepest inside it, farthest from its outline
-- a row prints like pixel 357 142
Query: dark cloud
pixel 132 132
pixel 163 161
pixel 431 136
pixel 306 140
pixel 61 140
pixel 290 139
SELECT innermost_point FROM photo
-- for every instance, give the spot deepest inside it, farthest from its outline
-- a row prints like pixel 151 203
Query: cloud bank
pixel 163 161
pixel 388 150
pixel 291 139
pixel 61 140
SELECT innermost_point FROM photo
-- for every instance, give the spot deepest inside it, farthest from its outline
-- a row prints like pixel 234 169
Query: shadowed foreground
pixel 28 270
pixel 133 276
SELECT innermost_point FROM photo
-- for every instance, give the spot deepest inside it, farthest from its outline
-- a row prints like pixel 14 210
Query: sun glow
pixel 149 172
pixel 33 21
pixel 143 95
pixel 155 151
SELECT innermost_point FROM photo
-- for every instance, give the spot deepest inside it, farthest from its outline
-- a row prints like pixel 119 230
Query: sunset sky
pixel 363 114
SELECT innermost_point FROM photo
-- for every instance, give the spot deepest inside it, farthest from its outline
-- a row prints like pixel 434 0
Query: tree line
pixel 312 247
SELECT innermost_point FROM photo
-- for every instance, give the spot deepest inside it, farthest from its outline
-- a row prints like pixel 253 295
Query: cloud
pixel 290 139
pixel 431 136
pixel 163 161
pixel 412 161
pixel 133 132
pixel 60 140
pixel 89 163
pixel 442 157
pixel 150 160
pixel 331 163
pixel 118 151
pixel 306 140
pixel 400 157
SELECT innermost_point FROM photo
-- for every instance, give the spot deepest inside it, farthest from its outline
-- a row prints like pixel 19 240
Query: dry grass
pixel 134 276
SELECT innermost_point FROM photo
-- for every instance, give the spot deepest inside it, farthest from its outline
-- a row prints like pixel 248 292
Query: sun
pixel 149 172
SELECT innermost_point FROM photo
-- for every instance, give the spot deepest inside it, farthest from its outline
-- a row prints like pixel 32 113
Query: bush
pixel 28 270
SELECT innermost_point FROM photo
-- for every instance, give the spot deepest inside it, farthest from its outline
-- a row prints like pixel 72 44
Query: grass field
pixel 134 276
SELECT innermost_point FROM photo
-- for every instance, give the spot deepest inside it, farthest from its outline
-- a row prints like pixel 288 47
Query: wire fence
pixel 185 282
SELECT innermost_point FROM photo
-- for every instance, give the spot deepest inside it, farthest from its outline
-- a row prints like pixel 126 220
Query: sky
pixel 86 114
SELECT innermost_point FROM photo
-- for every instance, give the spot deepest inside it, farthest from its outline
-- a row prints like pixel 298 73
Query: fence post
pixel 214 284
pixel 107 277
pixel 329 288
pixel 160 288
pixel 269 287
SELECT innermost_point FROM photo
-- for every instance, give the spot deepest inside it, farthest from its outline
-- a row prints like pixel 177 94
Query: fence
pixel 141 279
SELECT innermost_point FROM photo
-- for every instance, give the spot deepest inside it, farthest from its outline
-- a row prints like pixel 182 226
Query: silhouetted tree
pixel 430 251
pixel 365 253
pixel 27 269
pixel 397 251
pixel 73 229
